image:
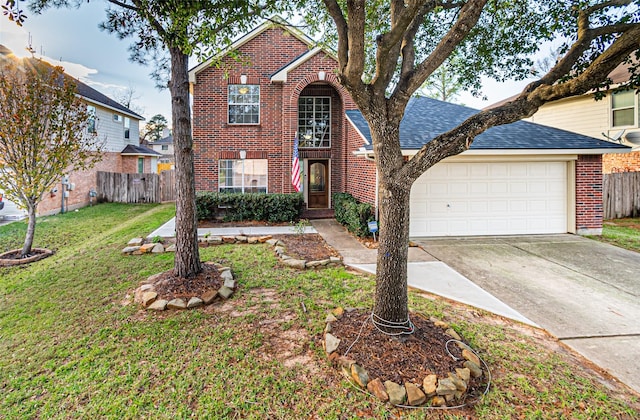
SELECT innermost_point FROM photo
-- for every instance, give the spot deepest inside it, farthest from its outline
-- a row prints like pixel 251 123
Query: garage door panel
pixel 490 199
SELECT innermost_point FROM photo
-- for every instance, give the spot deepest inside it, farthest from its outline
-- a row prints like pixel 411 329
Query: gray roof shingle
pixel 425 118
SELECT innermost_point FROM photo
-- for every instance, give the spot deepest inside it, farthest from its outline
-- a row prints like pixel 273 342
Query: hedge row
pixel 352 214
pixel 255 206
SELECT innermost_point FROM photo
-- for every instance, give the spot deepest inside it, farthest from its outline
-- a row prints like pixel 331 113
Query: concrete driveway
pixel 584 292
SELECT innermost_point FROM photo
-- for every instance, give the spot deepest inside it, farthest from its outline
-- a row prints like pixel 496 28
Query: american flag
pixel 295 167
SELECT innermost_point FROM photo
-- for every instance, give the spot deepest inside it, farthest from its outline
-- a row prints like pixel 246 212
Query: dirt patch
pixel 308 247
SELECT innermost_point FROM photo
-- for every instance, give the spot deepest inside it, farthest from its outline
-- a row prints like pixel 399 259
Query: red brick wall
pixel 272 139
pixel 361 173
pixel 589 213
pixel 84 181
pixel 621 162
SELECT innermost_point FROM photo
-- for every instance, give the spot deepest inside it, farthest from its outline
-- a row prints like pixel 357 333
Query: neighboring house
pixel 114 124
pixel 164 146
pixel 616 116
pixel 517 179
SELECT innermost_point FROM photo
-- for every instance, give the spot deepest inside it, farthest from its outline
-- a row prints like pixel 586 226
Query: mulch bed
pixel 11 258
pixel 240 223
pixel 399 359
pixel 308 247
pixel 168 286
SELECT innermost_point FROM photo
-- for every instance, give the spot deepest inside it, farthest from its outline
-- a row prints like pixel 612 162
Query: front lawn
pixel 624 233
pixel 74 345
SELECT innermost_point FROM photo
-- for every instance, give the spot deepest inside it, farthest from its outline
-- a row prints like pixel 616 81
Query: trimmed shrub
pixel 352 214
pixel 255 206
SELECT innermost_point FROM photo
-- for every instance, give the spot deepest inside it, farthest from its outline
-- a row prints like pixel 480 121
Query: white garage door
pixel 490 199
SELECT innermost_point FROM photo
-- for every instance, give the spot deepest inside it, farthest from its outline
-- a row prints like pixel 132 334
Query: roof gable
pixel 275 22
pixel 426 118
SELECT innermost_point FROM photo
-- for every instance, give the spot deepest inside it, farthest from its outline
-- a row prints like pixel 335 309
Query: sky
pixel 71 38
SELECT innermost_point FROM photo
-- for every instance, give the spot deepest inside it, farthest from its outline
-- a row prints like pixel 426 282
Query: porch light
pixel 321 75
pixel 243 154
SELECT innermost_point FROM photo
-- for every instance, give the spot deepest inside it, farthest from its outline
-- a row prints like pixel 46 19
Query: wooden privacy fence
pixel 135 188
pixel 621 195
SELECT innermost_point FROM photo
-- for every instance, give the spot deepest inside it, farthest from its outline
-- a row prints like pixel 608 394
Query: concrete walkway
pixel 168 230
pixel 424 271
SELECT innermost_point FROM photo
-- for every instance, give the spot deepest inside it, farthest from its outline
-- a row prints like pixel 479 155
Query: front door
pixel 318 187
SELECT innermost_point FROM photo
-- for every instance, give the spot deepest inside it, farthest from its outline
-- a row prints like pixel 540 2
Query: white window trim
pixel 258 103
pixel 298 117
pixel 636 110
pixel 266 179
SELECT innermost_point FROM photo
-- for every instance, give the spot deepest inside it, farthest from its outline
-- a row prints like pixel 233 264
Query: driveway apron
pixel 584 292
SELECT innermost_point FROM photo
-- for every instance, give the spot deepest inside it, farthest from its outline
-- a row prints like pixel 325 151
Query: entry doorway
pixel 318 184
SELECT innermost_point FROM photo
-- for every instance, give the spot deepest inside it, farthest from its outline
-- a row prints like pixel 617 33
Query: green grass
pixel 73 345
pixel 624 233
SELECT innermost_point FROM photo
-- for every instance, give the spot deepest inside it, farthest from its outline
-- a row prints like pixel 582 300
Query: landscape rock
pixel 229 239
pixel 230 283
pixel 242 239
pixel 377 388
pixel 130 249
pixel 170 248
pixel 280 250
pixel 215 240
pixel 397 393
pixel 343 361
pixel 474 369
pixel 330 318
pixel 270 241
pixel 264 239
pixel 335 260
pixel 146 287
pixel 135 242
pixel 438 323
pixel 331 343
pixel 464 374
pixel 429 385
pixel 470 356
pixel 176 304
pixel 312 264
pixel 225 292
pixel 328 328
pixel 209 296
pixel 415 396
pixel 453 334
pixel 446 387
pixel 338 312
pixel 252 240
pixel 148 298
pixel 157 248
pixel 145 248
pixel 459 383
pixel 438 402
pixel 359 375
pixel 158 305
pixel 195 302
pixel 294 263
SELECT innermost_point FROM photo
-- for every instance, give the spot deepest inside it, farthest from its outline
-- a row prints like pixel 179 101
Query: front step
pixel 317 214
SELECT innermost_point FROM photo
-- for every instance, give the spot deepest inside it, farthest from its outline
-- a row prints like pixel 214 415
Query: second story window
pixel 623 108
pixel 314 121
pixel 244 104
pixel 127 128
pixel 91 126
pixel 165 147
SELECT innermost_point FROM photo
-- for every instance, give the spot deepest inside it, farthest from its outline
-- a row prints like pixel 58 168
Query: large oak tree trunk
pixel 391 308
pixel 187 258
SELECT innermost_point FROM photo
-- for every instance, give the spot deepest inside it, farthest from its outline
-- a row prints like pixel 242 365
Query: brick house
pixel 247 113
pixel 117 127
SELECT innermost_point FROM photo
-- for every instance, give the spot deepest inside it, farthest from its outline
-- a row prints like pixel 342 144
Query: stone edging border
pixel 10 262
pixel 146 295
pixel 435 392
pixel 137 246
